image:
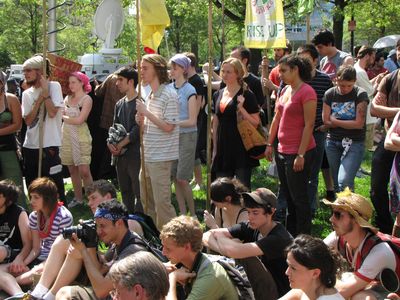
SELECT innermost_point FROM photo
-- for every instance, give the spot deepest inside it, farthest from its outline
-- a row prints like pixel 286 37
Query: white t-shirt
pixel 363 82
pixel 336 296
pixel 51 126
pixel 380 257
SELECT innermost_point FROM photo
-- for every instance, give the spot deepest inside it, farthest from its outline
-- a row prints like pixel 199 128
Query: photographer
pixel 112 229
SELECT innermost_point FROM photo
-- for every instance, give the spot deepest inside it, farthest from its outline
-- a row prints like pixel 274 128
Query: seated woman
pixel 15 237
pixel 47 221
pixel 226 196
pixel 312 269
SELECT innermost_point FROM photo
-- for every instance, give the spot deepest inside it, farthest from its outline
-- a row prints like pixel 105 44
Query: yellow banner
pixel 264 24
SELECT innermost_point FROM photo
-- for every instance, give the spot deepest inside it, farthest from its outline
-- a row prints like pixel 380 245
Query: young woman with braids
pixel 293 125
pixel 226 196
pixel 312 270
pixel 230 158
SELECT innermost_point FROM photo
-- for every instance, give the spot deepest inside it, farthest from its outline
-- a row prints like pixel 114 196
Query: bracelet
pixel 269 145
pixel 300 155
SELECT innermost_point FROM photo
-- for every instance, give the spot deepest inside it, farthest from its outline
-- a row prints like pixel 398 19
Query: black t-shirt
pixel 197 83
pixel 9 230
pixel 344 107
pixel 273 246
pixel 254 84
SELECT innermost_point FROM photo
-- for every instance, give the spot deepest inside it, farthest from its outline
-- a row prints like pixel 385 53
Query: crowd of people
pixel 325 104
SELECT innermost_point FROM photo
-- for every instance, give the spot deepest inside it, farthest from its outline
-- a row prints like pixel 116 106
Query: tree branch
pixel 228 13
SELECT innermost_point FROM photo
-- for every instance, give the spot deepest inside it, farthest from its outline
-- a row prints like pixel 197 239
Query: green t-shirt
pixel 212 283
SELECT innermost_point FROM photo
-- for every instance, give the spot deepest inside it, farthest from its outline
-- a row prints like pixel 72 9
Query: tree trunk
pixel 338 19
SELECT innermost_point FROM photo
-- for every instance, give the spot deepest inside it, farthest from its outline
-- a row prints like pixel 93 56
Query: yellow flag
pixel 153 21
pixel 264 24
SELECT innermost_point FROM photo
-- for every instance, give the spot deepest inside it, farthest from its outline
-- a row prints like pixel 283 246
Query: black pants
pixel 382 161
pixel 50 162
pixel 294 185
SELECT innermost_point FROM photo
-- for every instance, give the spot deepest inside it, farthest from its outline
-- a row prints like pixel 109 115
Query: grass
pixel 321 225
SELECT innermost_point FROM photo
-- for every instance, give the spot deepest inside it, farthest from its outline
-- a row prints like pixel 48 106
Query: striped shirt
pixel 62 219
pixel 320 83
pixel 158 144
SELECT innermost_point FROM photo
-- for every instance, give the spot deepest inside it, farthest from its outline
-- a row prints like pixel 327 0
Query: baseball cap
pixel 262 196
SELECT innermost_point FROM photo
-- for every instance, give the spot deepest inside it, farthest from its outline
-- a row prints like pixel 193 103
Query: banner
pixel 264 24
pixel 153 21
pixel 62 69
pixel 305 7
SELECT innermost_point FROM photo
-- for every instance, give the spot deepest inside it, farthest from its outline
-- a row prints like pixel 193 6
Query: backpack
pixel 371 241
pixel 235 272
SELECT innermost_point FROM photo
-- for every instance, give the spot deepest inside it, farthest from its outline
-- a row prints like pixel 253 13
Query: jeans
pixel 319 138
pixel 344 169
pixel 294 186
pixel 382 161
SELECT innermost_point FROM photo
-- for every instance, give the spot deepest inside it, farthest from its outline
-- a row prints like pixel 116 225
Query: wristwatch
pixel 300 155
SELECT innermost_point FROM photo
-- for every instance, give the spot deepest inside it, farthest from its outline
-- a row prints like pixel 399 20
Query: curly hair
pixel 184 230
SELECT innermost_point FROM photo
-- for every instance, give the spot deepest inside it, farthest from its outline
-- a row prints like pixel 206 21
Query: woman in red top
pixel 293 126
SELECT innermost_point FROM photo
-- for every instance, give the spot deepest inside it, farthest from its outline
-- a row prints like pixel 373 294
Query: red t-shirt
pixel 292 123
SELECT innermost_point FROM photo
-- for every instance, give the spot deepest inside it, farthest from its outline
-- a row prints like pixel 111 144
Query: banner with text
pixel 264 24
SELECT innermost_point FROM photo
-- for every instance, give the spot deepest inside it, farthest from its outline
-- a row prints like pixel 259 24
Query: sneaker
pixel 74 202
pixel 23 296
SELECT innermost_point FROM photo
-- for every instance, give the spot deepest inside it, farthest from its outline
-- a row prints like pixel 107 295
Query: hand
pixel 322 128
pixel 170 267
pixel 73 252
pixel 139 118
pixel 77 243
pixel 333 121
pixel 268 84
pixel 210 220
pixel 298 164
pixel 269 153
pixel 181 275
pixel 206 67
pixel 44 84
pixel 217 234
pixel 141 108
pixel 240 100
pixel 113 149
pixel 17 266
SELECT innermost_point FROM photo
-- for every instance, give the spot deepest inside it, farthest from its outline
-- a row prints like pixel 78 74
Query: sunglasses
pixel 337 214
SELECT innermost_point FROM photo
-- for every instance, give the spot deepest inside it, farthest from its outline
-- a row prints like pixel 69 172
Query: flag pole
pixel 138 63
pixel 308 28
pixel 41 109
pixel 209 96
pixel 223 29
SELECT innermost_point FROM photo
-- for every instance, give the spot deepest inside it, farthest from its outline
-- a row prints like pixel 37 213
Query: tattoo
pixel 362 109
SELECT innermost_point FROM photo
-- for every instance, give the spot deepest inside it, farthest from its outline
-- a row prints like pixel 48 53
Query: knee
pixel 64 293
pixel 182 182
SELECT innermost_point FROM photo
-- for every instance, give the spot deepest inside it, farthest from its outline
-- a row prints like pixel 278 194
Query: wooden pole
pixel 139 62
pixel 41 109
pixel 308 28
pixel 223 29
pixel 209 96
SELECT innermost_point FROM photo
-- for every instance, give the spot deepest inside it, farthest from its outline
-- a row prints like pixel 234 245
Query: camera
pixel 85 231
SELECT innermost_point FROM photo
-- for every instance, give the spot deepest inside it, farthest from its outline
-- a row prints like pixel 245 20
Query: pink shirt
pixel 292 122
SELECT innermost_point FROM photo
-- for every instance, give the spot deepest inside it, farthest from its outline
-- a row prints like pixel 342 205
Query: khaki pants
pixel 156 193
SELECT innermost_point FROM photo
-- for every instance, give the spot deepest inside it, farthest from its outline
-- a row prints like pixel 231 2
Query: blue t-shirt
pixel 184 93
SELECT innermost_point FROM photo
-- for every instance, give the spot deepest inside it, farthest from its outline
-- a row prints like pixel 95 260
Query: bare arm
pixel 31 116
pixel 236 249
pixel 193 111
pixel 210 241
pixel 351 286
pixel 326 115
pixel 392 140
pixel 83 115
pixel 15 109
pixel 309 109
pixel 35 251
pixel 358 123
pixel 273 131
pixel 380 109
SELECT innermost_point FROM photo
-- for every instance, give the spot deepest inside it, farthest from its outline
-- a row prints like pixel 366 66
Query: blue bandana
pixel 106 214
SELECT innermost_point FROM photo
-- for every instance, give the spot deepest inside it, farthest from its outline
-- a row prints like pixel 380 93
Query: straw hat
pixel 356 205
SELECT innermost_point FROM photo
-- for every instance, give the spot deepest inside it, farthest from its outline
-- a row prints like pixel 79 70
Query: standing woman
pixel 76 139
pixel 230 158
pixel 293 125
pixel 344 112
pixel 10 124
pixel 182 169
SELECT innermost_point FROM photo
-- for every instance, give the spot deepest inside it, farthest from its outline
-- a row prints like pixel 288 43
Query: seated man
pixel 203 279
pixel 98 192
pixel 350 220
pixel 112 229
pixel 140 276
pixel 260 236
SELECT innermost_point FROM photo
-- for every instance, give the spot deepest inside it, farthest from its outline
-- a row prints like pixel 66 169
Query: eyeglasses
pixel 337 214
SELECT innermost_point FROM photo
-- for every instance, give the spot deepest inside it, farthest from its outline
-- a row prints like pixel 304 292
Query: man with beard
pixel 49 95
pixel 261 236
pixel 350 220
